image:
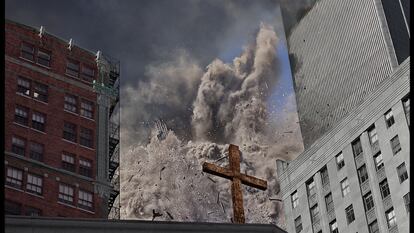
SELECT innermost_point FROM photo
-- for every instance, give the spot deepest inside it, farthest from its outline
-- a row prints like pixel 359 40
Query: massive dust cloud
pixel 188 115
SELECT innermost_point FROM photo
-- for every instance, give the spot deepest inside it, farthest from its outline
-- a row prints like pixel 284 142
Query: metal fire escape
pixel 109 85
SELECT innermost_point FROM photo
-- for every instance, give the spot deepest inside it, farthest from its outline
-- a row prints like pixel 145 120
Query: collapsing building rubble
pixel 164 176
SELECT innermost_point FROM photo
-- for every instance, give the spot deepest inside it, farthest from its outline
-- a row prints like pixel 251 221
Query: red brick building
pixel 61 151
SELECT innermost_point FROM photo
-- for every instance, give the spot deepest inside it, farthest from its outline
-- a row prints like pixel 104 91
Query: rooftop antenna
pixel 70 44
pixel 98 56
pixel 41 31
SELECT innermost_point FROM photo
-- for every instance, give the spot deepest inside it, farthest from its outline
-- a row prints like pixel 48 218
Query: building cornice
pixel 35 30
pixel 48 73
pixel 43 165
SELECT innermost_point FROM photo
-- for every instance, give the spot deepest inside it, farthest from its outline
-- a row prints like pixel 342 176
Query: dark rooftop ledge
pixel 36 30
pixel 23 224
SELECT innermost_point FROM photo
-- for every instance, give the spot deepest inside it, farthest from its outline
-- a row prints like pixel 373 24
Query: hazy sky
pixel 147 33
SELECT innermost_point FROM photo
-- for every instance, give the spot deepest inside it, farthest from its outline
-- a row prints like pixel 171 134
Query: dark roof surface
pixel 23 224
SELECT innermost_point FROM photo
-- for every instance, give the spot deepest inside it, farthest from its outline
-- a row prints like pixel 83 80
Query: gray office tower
pixel 340 52
pixel 350 63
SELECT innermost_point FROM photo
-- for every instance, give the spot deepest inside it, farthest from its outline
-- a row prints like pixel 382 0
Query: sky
pixel 139 33
pixel 169 51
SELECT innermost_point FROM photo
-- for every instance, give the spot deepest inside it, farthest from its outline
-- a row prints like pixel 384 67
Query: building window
pixel 14 177
pixel 86 109
pixel 21 115
pixel 333 227
pixel 385 190
pixel 68 161
pixel 34 184
pixel 329 203
pixel 406 104
pixel 372 134
pixel 86 137
pixel 368 201
pixel 373 227
pixel 298 224
pixel 31 211
pixel 379 163
pixel 43 57
pixel 27 51
pixel 310 185
pixel 40 92
pixel 324 176
pixel 395 145
pixel 349 211
pixel 362 174
pixel 406 198
pixel 12 208
pixel 345 187
pixel 23 86
pixel 402 172
pixel 85 167
pixel 88 74
pixel 36 151
pixel 391 220
pixel 295 199
pixel 69 132
pixel 38 121
pixel 357 147
pixel 389 118
pixel 66 194
pixel 340 163
pixel 71 103
pixel 314 213
pixel 18 146
pixel 72 68
pixel 85 200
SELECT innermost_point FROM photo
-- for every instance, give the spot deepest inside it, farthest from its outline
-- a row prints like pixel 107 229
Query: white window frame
pixel 70 103
pixel 402 172
pixel 87 108
pixel 295 199
pixel 14 177
pixel 389 118
pixel 85 199
pixel 391 219
pixel 34 184
pixel 372 134
pixel 340 162
pixel 66 194
pixel 379 161
pixel 39 118
pixel 345 187
pixel 395 144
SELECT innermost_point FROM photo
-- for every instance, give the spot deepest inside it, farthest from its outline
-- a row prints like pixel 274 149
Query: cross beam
pixel 233 173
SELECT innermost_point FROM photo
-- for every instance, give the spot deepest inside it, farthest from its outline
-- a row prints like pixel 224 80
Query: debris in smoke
pixel 229 105
pixel 161 171
pixel 211 179
pixel 155 214
pixel 169 215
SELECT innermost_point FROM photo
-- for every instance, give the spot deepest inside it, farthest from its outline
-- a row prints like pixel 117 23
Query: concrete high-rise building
pixel 61 133
pixel 351 72
pixel 355 178
pixel 340 52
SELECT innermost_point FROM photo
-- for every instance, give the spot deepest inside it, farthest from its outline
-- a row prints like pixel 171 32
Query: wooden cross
pixel 233 173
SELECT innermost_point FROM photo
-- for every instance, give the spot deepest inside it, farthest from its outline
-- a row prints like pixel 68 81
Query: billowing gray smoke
pixel 226 104
pixel 231 100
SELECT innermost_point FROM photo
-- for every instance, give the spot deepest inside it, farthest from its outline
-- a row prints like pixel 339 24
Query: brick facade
pixel 59 84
